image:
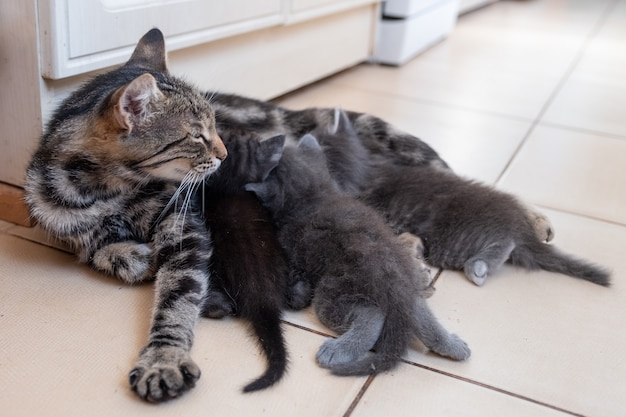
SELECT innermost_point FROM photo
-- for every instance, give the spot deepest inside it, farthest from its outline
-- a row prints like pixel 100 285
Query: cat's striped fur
pixel 114 172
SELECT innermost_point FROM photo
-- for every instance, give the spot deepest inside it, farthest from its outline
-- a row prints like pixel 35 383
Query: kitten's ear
pixel 150 52
pixel 271 149
pixel 308 142
pixel 342 123
pixel 269 153
pixel 258 188
pixel 132 102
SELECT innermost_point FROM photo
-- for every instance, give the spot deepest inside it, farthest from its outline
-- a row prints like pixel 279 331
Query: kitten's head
pixel 250 159
pixel 134 123
pixel 348 160
pixel 300 175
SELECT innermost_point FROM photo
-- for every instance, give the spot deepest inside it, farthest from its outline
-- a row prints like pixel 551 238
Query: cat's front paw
pixel 129 261
pixel 218 305
pixel 163 373
pixel 453 347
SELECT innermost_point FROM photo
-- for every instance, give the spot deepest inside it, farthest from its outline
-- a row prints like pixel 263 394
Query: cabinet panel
pixel 84 35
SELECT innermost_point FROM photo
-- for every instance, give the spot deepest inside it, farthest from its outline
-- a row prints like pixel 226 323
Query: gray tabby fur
pixel 365 281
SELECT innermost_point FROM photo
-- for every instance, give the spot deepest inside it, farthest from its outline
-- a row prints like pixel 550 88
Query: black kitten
pixel 249 269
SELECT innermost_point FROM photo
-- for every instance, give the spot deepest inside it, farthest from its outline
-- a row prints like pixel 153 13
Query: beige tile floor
pixel 527 95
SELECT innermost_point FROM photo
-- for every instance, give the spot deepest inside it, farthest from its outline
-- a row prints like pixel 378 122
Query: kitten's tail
pixel 539 255
pixel 266 325
pixel 391 345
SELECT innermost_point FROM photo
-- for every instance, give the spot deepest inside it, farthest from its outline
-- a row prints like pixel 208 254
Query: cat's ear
pixel 271 149
pixel 308 142
pixel 342 125
pixel 258 188
pixel 132 102
pixel 150 52
pixel 269 153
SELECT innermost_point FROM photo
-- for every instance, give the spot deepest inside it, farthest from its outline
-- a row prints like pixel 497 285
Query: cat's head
pixel 134 123
pixel 300 175
pixel 250 159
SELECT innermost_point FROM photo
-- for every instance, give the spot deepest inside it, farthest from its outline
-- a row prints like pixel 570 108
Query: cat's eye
pixel 198 137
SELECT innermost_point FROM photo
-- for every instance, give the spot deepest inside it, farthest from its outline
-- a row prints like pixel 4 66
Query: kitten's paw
pixel 163 373
pixel 542 225
pixel 454 348
pixel 129 261
pixel 333 352
pixel 218 306
pixel 299 295
pixel 476 271
pixel 414 243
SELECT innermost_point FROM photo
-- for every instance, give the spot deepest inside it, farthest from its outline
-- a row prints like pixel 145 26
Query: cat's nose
pixel 218 148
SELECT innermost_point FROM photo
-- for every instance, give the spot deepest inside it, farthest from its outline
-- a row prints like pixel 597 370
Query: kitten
pixel 366 285
pixel 463 224
pixel 249 268
pixel 113 178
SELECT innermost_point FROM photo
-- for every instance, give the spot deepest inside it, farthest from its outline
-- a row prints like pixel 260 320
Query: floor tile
pixel 410 391
pixel 473 144
pixel 544 336
pixel 594 96
pixel 571 171
pixel 69 333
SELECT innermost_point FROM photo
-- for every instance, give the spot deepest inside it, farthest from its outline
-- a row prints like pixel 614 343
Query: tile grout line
pixel 566 75
pixel 359 395
pixel 494 388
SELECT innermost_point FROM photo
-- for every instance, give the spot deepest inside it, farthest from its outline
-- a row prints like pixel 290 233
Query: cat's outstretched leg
pixel 363 333
pixel 129 261
pixel 165 369
pixel 435 337
pixel 488 259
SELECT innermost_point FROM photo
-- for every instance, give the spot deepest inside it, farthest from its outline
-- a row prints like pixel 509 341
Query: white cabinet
pixel 83 35
pixel 259 48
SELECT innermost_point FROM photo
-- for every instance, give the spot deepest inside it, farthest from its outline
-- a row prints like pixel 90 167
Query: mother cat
pixel 114 172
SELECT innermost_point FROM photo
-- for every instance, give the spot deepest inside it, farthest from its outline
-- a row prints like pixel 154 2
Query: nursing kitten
pixel 113 155
pixel 463 224
pixel 366 285
pixel 249 268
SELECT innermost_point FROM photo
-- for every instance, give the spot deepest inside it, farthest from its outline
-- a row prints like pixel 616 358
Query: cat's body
pixel 249 268
pixel 111 159
pixel 365 283
pixel 464 225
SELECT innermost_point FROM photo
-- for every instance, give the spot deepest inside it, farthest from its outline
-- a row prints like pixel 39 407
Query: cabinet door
pixel 83 35
pixel 308 9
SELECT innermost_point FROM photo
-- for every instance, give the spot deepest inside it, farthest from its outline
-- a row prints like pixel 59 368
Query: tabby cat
pixel 366 286
pixel 463 224
pixel 249 268
pixel 113 178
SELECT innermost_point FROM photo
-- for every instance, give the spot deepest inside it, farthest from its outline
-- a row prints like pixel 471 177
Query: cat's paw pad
pixel 477 271
pixel 218 306
pixel 454 348
pixel 129 261
pixel 299 295
pixel 163 374
pixel 332 352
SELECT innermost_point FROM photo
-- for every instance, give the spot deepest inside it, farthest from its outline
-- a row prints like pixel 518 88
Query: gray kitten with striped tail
pixel 113 178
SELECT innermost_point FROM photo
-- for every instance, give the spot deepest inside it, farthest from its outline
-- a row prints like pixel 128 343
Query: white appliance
pixel 408 27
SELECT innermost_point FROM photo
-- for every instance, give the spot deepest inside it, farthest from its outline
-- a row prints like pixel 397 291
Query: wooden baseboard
pixel 12 206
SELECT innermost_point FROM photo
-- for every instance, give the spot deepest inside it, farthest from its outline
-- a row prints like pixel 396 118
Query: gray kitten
pixel 365 280
pixel 463 224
